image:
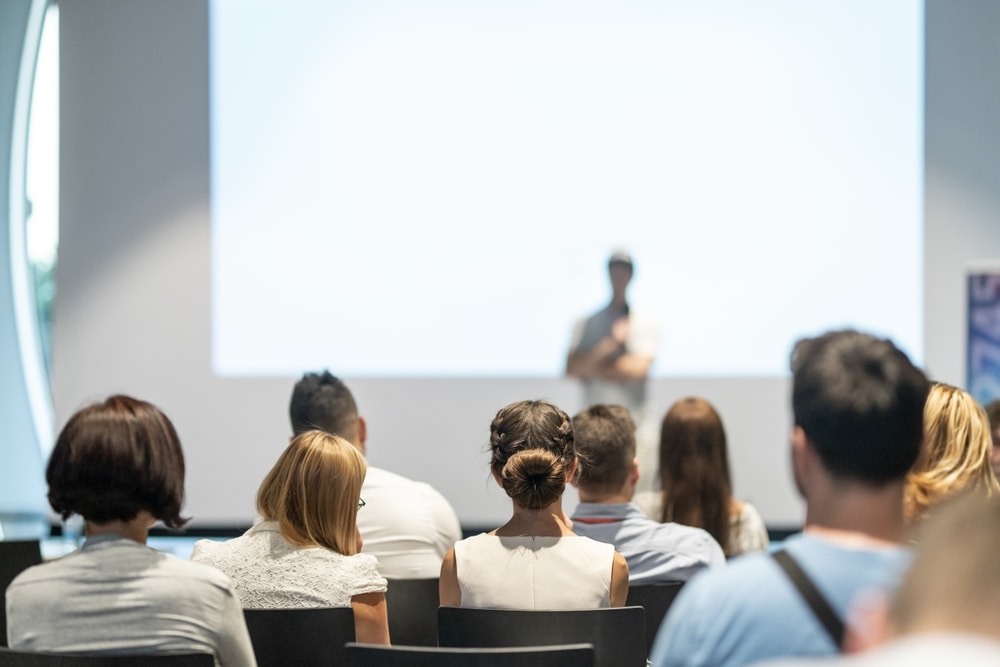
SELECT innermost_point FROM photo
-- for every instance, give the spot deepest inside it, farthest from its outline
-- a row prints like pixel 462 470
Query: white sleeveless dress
pixel 534 572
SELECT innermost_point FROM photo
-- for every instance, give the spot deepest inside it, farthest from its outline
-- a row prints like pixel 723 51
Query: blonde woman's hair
pixel 956 451
pixel 312 492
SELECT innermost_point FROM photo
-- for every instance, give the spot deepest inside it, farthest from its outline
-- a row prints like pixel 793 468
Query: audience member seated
pixel 407 525
pixel 608 472
pixel 305 552
pixel 947 610
pixel 956 452
pixel 119 465
pixel 535 560
pixel 993 413
pixel 695 482
pixel 857 404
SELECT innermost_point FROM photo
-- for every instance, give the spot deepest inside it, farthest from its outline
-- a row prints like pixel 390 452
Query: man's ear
pixel 362 433
pixel 633 475
pixel 802 463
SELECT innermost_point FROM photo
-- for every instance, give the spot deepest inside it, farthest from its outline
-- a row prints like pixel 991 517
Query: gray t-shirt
pixel 116 596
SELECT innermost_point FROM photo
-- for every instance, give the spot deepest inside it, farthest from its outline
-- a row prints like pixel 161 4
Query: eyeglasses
pixel 361 503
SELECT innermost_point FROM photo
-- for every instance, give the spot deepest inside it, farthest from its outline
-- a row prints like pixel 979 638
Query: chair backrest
pixel 370 655
pixel 15 557
pixel 12 658
pixel 412 608
pixel 618 633
pixel 302 637
pixel 656 600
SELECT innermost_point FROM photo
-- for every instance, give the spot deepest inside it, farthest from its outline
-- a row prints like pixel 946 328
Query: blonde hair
pixel 956 451
pixel 313 490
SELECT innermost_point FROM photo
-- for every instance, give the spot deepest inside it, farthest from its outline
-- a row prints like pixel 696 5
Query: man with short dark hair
pixel 857 403
pixel 407 525
pixel 656 552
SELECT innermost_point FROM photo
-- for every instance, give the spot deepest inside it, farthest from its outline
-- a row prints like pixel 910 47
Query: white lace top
pixel 268 572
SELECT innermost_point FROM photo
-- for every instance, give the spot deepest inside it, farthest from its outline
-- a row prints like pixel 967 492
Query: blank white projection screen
pixel 418 188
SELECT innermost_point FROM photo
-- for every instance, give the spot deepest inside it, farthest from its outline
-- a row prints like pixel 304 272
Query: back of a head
pixel 604 438
pixel 956 451
pixel 531 445
pixel 952 584
pixel 860 401
pixel 114 459
pixel 312 491
pixel 322 401
pixel 694 468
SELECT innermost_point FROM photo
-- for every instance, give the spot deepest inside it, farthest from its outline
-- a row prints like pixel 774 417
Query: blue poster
pixel 983 370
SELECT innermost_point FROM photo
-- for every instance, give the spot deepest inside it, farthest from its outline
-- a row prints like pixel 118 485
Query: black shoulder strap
pixel 820 607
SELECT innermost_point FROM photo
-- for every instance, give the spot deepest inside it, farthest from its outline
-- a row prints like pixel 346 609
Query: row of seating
pixel 356 655
pixel 324 636
pixel 305 636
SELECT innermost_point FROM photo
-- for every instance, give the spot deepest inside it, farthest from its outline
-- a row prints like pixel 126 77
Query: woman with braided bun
pixel 534 561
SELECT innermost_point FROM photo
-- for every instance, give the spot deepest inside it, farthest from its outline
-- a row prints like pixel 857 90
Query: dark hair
pixel 860 402
pixel 531 444
pixel 694 469
pixel 993 414
pixel 604 436
pixel 114 459
pixel 321 401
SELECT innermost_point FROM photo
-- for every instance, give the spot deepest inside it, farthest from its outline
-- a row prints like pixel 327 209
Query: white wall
pixel 962 195
pixel 132 312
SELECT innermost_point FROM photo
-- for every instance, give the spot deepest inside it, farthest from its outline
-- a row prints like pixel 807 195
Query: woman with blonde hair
pixel 305 551
pixel 535 560
pixel 956 453
pixel 695 482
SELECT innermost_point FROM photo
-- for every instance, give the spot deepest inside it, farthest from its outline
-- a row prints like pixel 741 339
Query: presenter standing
pixel 612 351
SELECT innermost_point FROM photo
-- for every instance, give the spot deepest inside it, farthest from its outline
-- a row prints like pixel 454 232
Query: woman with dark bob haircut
pixel 535 560
pixel 119 465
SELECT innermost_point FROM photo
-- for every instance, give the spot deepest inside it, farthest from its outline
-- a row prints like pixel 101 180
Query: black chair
pixel 656 600
pixel 15 557
pixel 618 634
pixel 412 606
pixel 370 655
pixel 11 658
pixel 301 637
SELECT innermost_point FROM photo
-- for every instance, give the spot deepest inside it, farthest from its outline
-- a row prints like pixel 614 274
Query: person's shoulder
pixel 743 577
pixel 379 480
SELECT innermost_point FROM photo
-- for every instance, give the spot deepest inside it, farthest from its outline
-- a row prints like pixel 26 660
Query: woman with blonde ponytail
pixel 535 560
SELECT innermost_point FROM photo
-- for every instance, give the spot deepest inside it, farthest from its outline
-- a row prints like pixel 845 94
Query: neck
pixel 854 512
pixel 136 529
pixel 604 498
pixel 548 521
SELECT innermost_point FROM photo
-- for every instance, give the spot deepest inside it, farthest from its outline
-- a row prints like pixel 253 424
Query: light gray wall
pixel 962 193
pixel 133 308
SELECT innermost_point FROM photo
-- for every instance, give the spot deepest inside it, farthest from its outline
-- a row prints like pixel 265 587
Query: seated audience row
pixel 861 411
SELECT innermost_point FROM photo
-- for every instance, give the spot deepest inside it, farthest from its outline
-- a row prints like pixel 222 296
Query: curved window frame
pixel 34 367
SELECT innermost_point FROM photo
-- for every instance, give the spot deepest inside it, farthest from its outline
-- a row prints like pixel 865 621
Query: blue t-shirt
pixel 751 611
